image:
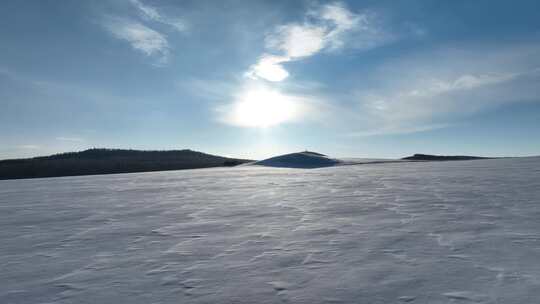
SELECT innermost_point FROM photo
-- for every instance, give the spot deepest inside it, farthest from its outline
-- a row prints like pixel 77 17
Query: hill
pixel 304 159
pixel 428 157
pixel 109 161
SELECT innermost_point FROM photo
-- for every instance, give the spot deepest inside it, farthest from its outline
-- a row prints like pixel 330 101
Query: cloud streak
pixel 151 13
pixel 140 37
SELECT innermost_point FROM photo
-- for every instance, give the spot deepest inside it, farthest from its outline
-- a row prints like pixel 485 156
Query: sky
pixel 253 79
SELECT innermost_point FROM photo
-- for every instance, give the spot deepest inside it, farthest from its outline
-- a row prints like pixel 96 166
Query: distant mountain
pixel 428 157
pixel 109 161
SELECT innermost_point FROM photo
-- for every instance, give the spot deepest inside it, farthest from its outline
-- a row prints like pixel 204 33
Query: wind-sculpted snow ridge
pixel 408 232
pixel 306 160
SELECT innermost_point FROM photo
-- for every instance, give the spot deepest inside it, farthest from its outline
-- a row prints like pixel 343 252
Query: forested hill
pixel 108 161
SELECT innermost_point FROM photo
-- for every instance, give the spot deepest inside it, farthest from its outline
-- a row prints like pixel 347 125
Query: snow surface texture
pixel 427 232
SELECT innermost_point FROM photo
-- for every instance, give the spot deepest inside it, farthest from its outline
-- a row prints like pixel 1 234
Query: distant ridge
pixel 306 160
pixel 428 157
pixel 109 161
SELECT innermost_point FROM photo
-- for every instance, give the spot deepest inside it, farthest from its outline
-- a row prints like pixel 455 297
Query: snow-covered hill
pixel 312 160
pixel 411 232
pixel 304 160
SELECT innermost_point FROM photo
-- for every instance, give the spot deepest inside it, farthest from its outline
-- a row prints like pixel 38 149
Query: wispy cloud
pixel 140 30
pixel 414 96
pixel 140 37
pixel 324 28
pixel 463 82
pixel 151 13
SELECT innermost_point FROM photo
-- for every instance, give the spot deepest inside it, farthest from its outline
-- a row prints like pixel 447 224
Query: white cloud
pixel 298 41
pixel 269 67
pixel 141 37
pixel 434 88
pixel 151 13
pixel 324 28
pixel 343 20
pixel 146 10
pixel 472 81
pixel 340 16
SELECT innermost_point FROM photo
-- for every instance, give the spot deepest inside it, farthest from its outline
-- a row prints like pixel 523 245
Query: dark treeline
pixel 442 157
pixel 108 161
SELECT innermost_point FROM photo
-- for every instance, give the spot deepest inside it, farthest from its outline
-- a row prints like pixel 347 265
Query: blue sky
pixel 258 78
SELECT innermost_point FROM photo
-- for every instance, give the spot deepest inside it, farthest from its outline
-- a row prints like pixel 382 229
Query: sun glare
pixel 263 107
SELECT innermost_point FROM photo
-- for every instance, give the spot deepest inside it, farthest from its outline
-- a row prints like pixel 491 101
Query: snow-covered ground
pixel 429 232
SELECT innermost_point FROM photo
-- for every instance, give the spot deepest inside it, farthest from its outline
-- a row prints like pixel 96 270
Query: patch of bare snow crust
pixel 425 232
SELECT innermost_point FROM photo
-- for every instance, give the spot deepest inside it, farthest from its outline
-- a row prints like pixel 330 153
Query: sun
pixel 263 107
